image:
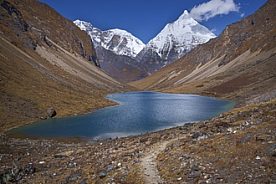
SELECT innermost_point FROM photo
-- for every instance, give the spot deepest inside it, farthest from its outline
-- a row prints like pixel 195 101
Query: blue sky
pixel 146 18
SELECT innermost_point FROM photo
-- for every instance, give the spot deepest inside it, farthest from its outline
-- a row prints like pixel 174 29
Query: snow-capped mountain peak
pixel 186 19
pixel 83 25
pixel 184 15
pixel 118 41
pixel 122 42
pixel 180 37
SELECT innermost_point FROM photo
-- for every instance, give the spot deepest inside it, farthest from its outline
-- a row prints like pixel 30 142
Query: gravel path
pixel 149 165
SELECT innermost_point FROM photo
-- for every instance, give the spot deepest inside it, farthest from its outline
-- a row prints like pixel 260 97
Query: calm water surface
pixel 138 112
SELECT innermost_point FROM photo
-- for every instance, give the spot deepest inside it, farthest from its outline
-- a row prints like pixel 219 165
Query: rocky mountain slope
pixel 24 30
pixel 46 61
pixel 239 64
pixel 120 67
pixel 116 51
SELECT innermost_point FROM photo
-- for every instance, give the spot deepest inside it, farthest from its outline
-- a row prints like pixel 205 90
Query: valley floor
pixel 237 147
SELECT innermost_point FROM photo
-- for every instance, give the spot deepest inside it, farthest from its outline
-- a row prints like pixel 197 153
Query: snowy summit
pixel 118 41
pixel 181 36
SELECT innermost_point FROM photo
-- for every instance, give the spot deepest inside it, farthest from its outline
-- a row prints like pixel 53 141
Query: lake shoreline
pixel 48 156
pixel 121 99
pixel 111 103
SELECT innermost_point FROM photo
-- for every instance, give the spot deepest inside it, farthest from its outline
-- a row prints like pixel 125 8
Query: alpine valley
pixel 126 58
pixel 193 107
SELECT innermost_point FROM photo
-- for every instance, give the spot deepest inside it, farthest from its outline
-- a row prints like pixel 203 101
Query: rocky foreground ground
pixel 237 147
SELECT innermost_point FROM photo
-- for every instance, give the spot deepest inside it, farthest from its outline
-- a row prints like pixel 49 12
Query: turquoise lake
pixel 137 113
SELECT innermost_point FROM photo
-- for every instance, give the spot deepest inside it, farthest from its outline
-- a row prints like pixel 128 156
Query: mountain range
pixel 174 41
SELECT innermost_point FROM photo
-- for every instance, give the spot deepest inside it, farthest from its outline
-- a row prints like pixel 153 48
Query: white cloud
pixel 213 8
pixel 243 14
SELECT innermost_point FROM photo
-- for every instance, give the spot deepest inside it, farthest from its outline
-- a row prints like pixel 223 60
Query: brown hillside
pixel 44 62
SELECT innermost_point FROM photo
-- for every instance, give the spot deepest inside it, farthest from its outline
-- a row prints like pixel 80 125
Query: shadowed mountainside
pixel 120 67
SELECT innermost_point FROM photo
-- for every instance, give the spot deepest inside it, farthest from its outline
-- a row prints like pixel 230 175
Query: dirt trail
pixel 149 165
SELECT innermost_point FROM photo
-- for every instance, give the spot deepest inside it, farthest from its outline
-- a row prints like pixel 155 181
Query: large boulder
pixel 51 112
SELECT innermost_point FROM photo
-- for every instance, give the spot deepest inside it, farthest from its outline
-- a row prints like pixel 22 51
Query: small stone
pixel 102 174
pixel 74 177
pixel 199 135
pixel 41 162
pixel 51 112
pixel 272 150
pixel 258 157
pixel 194 172
pixel 29 169
pixel 109 168
pixel 71 165
pixel 119 164
pixel 178 179
pixel 83 181
pixel 230 130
